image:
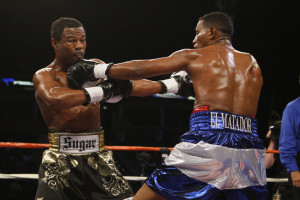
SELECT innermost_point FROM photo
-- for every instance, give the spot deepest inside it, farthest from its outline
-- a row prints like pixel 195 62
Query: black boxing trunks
pixel 77 166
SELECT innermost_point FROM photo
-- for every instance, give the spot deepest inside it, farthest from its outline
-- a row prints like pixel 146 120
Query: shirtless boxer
pixel 222 150
pixel 77 165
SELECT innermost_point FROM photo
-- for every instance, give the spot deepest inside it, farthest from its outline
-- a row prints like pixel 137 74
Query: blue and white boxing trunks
pixel 221 152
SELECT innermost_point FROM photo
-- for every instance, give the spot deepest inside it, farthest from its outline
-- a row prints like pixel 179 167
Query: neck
pixel 221 40
pixel 60 66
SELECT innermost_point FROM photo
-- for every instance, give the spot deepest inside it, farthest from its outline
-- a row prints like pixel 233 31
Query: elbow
pixel 52 101
pixel 268 166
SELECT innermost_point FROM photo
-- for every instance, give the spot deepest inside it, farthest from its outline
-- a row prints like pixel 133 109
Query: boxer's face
pixel 202 38
pixel 72 45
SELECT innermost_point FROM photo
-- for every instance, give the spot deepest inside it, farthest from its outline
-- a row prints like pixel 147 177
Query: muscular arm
pixel 51 92
pixel 139 69
pixel 145 87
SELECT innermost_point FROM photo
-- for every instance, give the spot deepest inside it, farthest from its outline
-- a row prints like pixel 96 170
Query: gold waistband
pixel 54 139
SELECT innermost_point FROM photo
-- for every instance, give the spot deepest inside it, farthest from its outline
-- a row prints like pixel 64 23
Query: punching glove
pixel 86 71
pixel 113 87
pixel 179 83
pixel 109 90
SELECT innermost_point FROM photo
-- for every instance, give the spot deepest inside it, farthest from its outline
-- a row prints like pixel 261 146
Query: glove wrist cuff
pixel 93 94
pixel 171 86
pixel 101 70
pixel 87 96
pixel 163 87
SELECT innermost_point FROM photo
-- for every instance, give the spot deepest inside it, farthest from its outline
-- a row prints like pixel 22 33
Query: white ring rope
pixel 129 178
pixel 277 180
pixel 35 176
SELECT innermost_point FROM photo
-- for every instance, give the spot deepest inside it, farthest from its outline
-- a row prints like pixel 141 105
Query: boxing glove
pixel 109 90
pixel 179 83
pixel 86 70
pixel 112 87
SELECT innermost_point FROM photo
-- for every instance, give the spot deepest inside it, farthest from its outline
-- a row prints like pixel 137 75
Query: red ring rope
pixel 115 148
pixel 23 145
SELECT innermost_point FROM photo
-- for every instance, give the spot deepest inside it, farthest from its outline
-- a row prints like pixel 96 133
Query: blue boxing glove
pixel 86 71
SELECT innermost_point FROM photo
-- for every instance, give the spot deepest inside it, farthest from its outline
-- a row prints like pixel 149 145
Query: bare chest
pixel 61 78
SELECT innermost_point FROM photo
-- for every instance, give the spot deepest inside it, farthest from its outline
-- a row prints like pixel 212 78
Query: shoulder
pixel 43 73
pixel 297 100
pixel 191 54
pixel 292 108
pixel 247 56
pixel 293 104
pixel 251 62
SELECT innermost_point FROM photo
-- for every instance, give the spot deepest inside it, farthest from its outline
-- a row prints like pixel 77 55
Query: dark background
pixel 121 30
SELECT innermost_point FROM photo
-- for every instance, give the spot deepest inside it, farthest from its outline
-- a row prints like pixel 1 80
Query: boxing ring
pixel 113 148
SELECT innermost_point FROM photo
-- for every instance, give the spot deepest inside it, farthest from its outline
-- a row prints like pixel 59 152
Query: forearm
pixel 145 88
pixel 140 69
pixel 133 70
pixel 269 157
pixel 269 160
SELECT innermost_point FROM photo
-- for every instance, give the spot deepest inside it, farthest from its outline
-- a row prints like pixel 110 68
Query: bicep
pixel 46 88
pixel 165 65
pixel 44 83
pixel 52 94
pixel 178 61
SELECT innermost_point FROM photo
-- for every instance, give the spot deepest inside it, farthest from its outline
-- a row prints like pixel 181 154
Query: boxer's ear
pixel 54 43
pixel 212 33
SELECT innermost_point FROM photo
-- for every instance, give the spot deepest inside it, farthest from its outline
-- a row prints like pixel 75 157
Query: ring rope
pixel 36 176
pixel 129 178
pixel 117 148
pixel 114 148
